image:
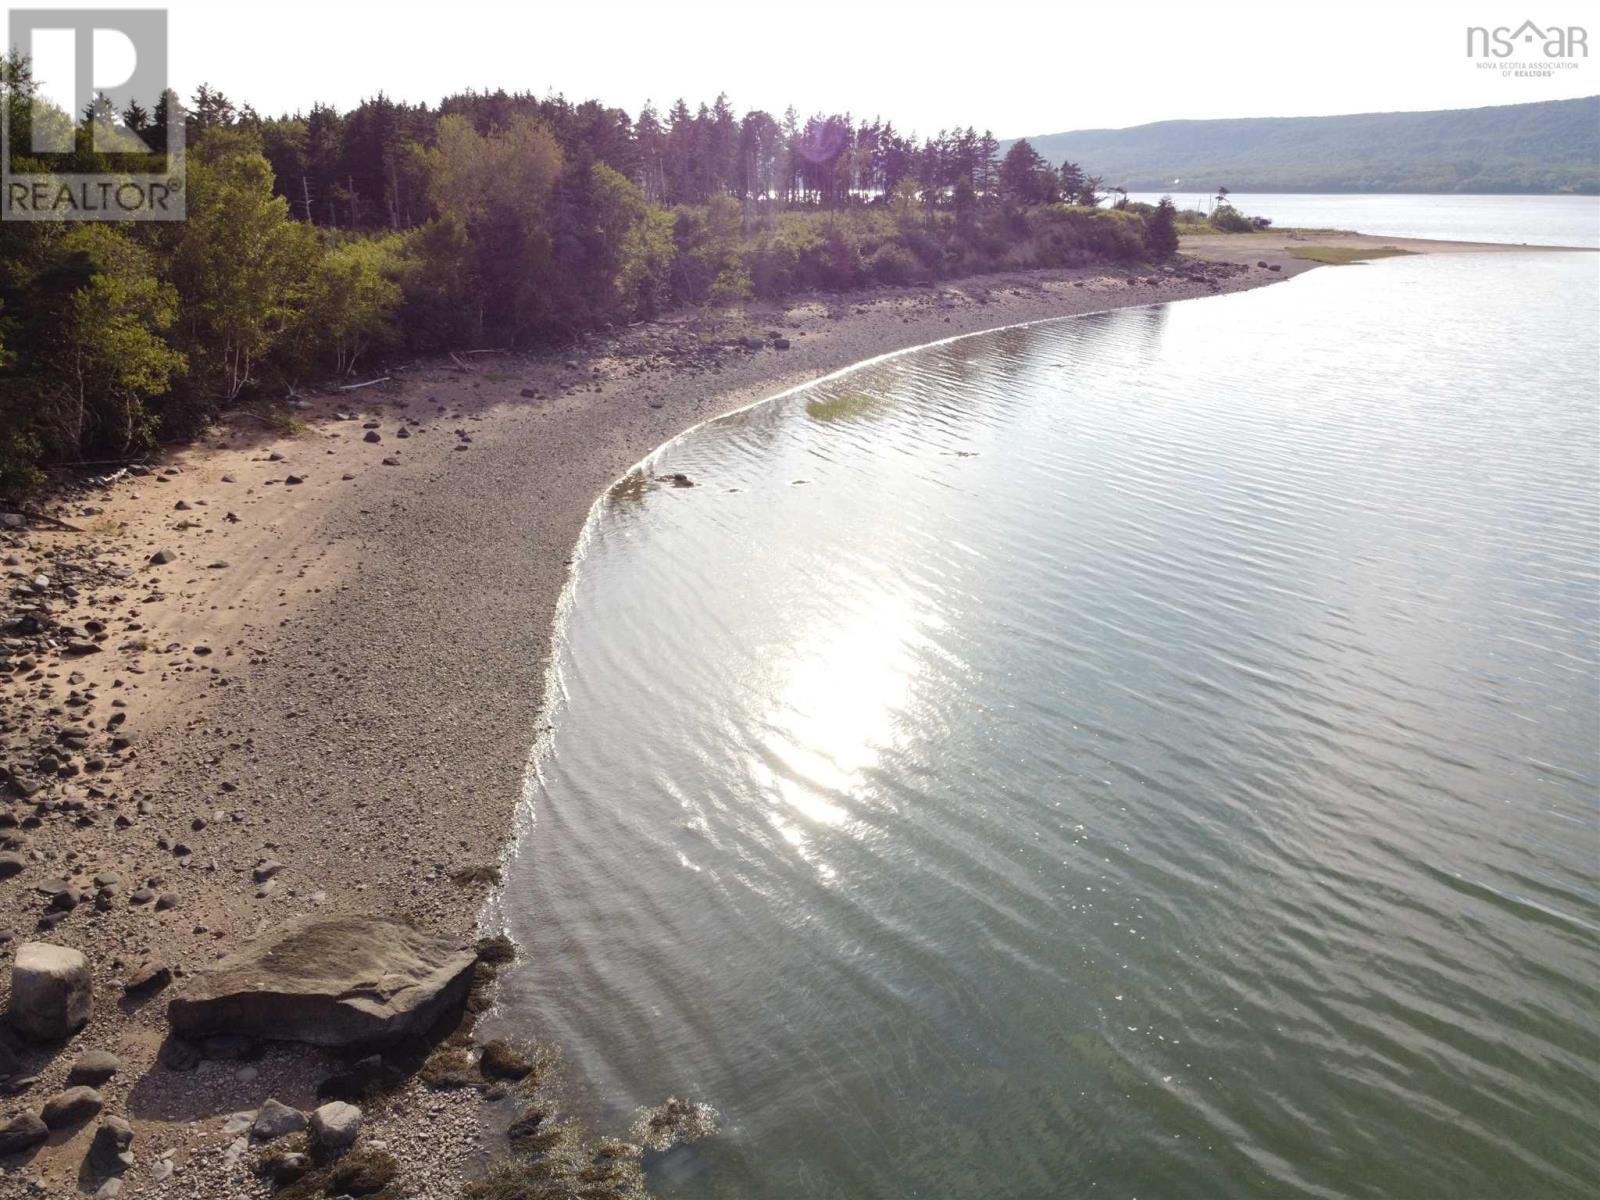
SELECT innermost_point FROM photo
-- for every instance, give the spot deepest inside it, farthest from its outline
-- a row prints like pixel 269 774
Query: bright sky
pixel 1017 69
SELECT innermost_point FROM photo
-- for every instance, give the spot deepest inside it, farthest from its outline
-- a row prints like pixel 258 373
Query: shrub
pixel 892 263
pixel 1225 218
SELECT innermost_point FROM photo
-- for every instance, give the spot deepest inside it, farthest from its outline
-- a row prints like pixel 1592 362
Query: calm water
pixel 1144 755
pixel 1519 220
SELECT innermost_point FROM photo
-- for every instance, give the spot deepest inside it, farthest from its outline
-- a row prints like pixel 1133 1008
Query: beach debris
pixel 331 980
pixel 51 992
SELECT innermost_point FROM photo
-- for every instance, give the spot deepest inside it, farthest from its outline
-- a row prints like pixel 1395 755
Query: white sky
pixel 1017 69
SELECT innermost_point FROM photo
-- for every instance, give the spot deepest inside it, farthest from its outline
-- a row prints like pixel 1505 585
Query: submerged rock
pixel 332 980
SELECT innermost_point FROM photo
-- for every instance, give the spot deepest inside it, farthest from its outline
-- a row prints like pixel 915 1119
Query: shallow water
pixel 1145 755
pixel 1515 220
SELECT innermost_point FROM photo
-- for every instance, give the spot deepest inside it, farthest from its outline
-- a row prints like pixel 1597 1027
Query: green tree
pixel 243 269
pixel 1161 231
pixel 93 350
pixel 1025 178
pixel 636 270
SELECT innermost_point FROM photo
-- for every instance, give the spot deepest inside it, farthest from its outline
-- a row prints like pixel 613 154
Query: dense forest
pixel 318 243
pixel 1545 147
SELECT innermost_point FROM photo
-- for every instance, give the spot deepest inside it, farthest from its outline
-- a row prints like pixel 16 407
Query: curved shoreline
pixel 348 677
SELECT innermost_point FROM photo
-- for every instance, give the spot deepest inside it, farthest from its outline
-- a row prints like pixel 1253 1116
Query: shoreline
pixel 347 676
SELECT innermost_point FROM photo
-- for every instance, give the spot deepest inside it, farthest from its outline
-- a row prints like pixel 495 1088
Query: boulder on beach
pixel 275 1119
pixel 70 1107
pixel 52 995
pixel 336 1125
pixel 22 1132
pixel 333 980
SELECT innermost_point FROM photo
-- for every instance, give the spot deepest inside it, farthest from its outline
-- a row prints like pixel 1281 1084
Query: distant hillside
pixel 1551 146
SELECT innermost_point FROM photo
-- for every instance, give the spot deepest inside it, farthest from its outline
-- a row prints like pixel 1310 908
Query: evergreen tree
pixel 1161 231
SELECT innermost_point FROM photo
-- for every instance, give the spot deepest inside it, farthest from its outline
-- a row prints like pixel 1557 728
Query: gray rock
pixel 93 1068
pixel 336 1125
pixel 161 557
pixel 266 870
pixel 21 1133
pixel 52 994
pixel 71 1107
pixel 11 864
pixel 109 1153
pixel 275 1120
pixel 333 980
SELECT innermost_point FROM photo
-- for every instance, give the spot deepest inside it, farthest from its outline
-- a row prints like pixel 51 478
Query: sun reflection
pixel 835 706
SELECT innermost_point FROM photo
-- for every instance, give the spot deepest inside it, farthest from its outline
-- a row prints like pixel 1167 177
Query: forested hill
pixel 1551 146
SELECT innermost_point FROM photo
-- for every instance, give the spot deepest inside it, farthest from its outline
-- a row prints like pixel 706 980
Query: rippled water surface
pixel 1144 755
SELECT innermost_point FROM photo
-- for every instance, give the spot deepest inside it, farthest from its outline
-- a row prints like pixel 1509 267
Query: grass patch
pixel 449 1069
pixel 564 1165
pixel 842 407
pixel 496 951
pixel 1344 256
pixel 362 1171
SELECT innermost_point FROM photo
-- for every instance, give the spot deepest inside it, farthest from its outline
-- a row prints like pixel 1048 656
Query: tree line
pixel 318 243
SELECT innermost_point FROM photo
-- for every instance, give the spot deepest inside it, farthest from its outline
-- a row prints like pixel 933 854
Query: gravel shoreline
pixel 338 672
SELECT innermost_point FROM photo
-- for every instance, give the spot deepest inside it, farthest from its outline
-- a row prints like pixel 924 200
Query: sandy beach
pixel 296 667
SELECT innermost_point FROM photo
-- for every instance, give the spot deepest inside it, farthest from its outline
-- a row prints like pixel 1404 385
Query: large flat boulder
pixel 334 980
